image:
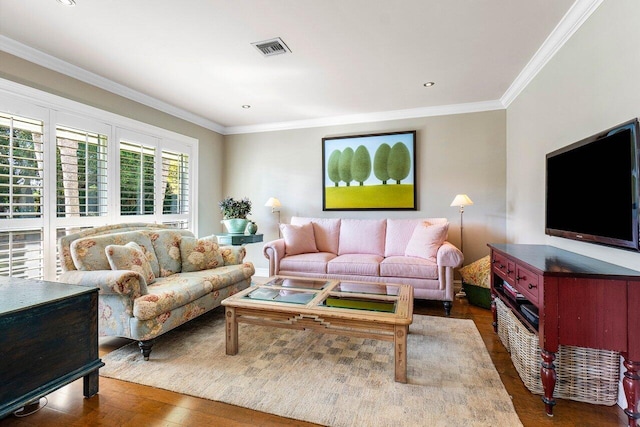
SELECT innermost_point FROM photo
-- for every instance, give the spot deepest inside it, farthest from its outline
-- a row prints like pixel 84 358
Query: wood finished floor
pixel 125 404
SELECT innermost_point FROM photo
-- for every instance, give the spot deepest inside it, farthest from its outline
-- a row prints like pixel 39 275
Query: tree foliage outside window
pixel 21 168
pixel 81 173
pixel 137 179
pixel 175 181
pixel 21 189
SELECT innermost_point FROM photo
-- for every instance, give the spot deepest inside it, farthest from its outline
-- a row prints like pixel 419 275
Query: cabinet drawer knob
pixel 531 286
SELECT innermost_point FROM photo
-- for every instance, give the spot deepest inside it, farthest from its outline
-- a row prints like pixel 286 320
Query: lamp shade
pixel 273 203
pixel 461 200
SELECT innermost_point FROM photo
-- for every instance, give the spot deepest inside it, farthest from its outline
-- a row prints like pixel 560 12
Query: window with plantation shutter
pixel 137 179
pixel 21 197
pixel 81 173
pixel 22 253
pixel 21 167
pixel 175 183
pixel 65 167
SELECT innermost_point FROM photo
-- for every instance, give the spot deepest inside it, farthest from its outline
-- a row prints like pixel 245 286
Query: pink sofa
pixel 411 251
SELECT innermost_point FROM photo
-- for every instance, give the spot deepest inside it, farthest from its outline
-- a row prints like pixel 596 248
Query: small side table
pixel 238 239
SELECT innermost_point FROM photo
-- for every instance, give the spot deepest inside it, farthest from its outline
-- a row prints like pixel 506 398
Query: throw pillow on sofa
pixel 130 257
pixel 298 239
pixel 200 254
pixel 426 240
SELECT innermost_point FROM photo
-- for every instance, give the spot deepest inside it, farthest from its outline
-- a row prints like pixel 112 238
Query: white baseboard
pixel 262 272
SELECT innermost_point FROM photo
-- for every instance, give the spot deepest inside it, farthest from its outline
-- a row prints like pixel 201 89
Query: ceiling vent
pixel 272 47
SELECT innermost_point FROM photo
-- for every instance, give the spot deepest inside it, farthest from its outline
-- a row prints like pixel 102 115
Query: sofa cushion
pixel 130 257
pixel 355 264
pixel 399 232
pixel 88 253
pixel 200 254
pixel 298 239
pixel 326 231
pixel 166 244
pixel 307 263
pixel 362 236
pixel 403 266
pixel 426 239
pixel 169 293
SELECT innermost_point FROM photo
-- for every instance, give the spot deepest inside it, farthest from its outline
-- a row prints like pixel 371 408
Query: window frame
pixel 54 111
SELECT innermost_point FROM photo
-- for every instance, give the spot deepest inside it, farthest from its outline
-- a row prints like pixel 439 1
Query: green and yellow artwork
pixel 374 172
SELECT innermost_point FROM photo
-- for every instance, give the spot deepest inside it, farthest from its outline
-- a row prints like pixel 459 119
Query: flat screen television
pixel 592 188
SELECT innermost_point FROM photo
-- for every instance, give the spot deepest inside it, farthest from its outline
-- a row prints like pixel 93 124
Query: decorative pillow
pixel 166 244
pixel 325 230
pixel 200 254
pixel 426 239
pixel 298 239
pixel 477 273
pixel 130 257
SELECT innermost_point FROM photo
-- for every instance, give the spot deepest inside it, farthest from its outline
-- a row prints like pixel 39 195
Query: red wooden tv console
pixel 581 302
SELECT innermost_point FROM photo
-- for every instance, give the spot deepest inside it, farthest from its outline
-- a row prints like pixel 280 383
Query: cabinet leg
pixel 631 385
pixel 494 313
pixel 548 377
pixel 90 384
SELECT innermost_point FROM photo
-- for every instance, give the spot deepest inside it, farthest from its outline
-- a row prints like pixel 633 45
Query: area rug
pixel 329 379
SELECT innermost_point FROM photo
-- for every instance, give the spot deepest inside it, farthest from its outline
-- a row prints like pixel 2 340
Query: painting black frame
pixel 381 197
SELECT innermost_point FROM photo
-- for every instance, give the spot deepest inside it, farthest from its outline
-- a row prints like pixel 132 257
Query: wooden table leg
pixel 631 385
pixel 232 331
pixel 400 343
pixel 548 377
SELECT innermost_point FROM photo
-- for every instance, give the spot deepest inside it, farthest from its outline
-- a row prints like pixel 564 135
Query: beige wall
pixel 591 84
pixel 211 146
pixel 462 153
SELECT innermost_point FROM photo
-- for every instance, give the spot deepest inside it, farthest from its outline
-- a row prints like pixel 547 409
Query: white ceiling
pixel 351 60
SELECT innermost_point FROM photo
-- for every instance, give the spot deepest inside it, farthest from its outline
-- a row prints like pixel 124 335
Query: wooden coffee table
pixel 366 310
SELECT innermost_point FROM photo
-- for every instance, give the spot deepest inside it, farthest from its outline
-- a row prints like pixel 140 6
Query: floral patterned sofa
pixel 152 278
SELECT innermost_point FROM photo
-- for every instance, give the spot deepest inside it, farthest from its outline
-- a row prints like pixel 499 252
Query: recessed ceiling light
pixel 67 2
pixel 429 84
pixel 246 106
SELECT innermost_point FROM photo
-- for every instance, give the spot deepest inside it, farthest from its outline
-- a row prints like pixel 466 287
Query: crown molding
pixel 579 12
pixel 441 110
pixel 45 60
pixel 573 19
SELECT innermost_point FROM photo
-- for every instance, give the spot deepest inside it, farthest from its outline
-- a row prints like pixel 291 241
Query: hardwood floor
pixel 125 404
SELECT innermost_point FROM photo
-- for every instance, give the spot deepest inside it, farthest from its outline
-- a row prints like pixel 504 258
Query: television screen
pixel 592 189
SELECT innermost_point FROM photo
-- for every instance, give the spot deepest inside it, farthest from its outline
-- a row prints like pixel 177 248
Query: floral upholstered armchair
pixel 151 278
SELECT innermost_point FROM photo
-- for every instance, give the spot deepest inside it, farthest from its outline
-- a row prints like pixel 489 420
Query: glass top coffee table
pixel 368 310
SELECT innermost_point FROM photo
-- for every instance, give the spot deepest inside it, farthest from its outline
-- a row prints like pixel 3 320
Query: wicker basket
pixel 583 374
pixel 504 323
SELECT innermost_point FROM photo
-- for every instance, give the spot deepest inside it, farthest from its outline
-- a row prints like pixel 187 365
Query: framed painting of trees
pixel 369 172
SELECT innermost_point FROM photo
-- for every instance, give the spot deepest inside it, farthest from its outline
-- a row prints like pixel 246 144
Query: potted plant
pixel 234 214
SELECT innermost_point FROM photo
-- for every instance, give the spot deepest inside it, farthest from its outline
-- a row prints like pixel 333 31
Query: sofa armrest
pixel 233 255
pixel 449 256
pixel 110 282
pixel 274 252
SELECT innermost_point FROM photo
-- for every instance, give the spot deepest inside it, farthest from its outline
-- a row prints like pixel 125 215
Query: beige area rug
pixel 329 379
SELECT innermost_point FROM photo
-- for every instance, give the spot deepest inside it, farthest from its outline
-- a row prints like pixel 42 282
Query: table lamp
pixel 275 205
